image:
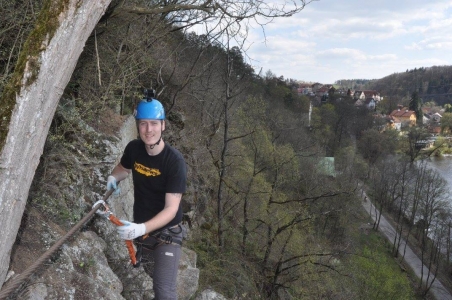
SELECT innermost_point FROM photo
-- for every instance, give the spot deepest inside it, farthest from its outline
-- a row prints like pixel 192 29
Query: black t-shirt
pixel 153 177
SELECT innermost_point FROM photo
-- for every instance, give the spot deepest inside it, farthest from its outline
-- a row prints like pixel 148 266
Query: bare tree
pixel 414 200
pixel 404 177
pixel 413 142
pixel 432 203
pixel 234 90
pixel 217 17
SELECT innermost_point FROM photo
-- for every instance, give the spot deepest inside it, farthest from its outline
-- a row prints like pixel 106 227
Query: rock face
pixel 94 263
pixel 34 108
pixel 210 295
pixel 188 275
pixel 82 272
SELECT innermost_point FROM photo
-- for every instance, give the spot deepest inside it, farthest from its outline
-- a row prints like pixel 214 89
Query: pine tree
pixel 416 106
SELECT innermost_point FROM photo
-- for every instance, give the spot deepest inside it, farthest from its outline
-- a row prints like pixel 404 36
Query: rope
pixel 16 282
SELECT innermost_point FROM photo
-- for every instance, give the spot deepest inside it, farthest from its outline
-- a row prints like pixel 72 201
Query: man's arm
pixel 172 201
pixel 119 172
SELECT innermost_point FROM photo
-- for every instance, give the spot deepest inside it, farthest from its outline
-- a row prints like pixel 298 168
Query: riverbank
pixel 441 284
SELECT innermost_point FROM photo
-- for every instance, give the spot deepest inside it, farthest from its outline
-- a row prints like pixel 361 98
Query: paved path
pixel 411 259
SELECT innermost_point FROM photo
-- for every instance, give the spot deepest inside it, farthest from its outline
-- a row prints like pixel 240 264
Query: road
pixel 437 290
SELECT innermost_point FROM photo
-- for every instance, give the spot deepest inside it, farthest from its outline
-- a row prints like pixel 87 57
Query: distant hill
pixel 432 84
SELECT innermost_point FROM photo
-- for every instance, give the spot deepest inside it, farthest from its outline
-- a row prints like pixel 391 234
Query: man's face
pixel 150 130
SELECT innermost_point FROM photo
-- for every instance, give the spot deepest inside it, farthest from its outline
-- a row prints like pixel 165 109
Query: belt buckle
pixel 166 238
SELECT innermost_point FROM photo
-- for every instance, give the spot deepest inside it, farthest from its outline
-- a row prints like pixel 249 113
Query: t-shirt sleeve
pixel 177 180
pixel 126 159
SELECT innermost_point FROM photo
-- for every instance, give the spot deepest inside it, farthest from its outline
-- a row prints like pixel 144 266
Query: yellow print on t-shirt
pixel 145 170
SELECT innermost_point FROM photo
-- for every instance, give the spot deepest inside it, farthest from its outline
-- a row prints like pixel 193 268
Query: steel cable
pixel 16 282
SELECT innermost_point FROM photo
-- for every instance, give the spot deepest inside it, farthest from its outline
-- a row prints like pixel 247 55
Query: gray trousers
pixel 162 264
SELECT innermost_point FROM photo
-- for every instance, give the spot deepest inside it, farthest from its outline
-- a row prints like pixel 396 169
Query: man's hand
pixel 130 231
pixel 111 184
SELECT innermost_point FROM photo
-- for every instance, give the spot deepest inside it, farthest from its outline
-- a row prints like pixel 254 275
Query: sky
pixel 330 40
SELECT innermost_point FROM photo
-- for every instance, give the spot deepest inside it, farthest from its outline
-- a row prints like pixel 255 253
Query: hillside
pixel 432 84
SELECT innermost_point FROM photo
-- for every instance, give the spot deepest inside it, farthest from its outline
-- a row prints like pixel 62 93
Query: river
pixel 444 166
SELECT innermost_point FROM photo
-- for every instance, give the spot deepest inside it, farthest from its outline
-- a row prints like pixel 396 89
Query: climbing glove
pixel 111 184
pixel 130 231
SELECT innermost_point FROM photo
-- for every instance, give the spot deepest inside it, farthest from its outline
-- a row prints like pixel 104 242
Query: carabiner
pixel 105 213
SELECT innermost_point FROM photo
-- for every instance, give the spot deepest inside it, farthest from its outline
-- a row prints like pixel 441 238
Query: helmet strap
pixel 158 142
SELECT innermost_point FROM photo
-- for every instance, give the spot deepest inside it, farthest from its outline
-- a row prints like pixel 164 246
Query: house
pixel 407 117
pixel 316 86
pixel 393 123
pixel 372 95
pixel 384 122
pixel 358 95
pixel 363 95
pixel 370 104
pixel 304 89
pixel 432 115
pixel 436 117
pixel 322 91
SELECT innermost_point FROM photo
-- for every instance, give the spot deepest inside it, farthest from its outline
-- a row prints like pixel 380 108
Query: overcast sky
pixel 354 39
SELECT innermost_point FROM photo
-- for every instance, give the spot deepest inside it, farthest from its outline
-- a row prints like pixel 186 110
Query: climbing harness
pixel 165 236
pixel 151 241
pixel 108 214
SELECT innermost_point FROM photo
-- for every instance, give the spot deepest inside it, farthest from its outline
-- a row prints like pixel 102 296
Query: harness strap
pixel 163 237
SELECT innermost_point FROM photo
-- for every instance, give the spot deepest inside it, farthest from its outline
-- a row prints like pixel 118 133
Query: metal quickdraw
pixel 107 214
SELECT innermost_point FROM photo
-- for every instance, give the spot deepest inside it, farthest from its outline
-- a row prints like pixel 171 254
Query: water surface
pixel 444 166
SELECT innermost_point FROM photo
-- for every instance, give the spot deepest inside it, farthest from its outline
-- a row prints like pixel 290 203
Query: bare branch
pixel 314 198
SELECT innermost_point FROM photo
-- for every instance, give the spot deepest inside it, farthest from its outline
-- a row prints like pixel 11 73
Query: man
pixel 159 180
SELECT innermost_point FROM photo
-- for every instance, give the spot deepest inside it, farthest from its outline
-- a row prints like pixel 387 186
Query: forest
pixel 268 219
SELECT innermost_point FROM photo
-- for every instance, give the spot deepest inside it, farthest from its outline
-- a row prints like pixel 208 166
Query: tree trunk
pixel 44 79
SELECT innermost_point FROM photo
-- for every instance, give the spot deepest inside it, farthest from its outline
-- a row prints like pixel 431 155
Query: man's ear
pixel 163 125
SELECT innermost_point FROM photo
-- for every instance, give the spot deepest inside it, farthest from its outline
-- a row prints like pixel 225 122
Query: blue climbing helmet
pixel 150 108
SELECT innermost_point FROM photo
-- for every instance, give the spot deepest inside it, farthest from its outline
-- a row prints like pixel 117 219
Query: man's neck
pixel 156 150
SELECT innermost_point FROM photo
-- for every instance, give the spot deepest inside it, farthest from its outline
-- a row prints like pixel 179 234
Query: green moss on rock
pixel 46 26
